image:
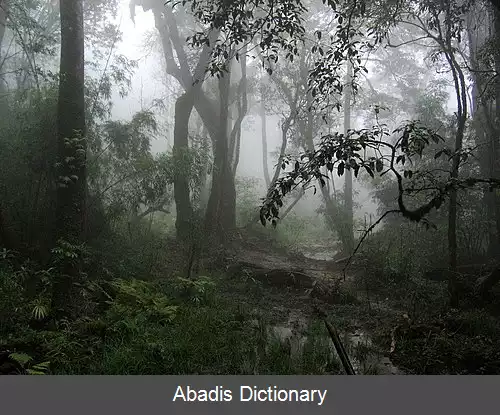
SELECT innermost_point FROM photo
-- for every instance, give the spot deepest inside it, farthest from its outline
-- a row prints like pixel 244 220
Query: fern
pixel 40 310
pixel 25 361
pixel 22 358
pixel 39 369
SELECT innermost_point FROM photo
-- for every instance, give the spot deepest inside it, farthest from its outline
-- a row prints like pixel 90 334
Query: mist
pixel 200 181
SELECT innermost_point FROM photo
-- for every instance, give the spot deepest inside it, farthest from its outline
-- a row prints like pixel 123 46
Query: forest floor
pixel 290 305
pixel 405 328
pixel 260 313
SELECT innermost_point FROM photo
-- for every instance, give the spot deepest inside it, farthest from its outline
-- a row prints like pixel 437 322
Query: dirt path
pixel 293 306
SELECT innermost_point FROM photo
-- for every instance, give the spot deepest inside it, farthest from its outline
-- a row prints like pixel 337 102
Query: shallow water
pixel 369 363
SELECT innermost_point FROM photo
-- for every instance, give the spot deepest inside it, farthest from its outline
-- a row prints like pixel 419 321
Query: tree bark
pixel 71 180
pixel 496 136
pixel 220 219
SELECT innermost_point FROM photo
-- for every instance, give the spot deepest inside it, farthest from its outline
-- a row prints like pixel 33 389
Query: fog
pixel 211 185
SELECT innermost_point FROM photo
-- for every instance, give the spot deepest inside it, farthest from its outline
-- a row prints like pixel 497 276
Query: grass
pixel 151 328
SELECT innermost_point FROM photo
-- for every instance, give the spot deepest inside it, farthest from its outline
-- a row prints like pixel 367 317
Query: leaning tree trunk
pixel 72 148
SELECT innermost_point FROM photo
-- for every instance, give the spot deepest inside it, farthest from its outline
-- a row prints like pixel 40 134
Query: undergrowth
pixel 130 326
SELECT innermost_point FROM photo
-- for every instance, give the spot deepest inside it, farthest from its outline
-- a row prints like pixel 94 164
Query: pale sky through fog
pixel 148 74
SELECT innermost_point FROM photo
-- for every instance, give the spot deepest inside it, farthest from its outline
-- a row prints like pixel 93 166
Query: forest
pixel 249 187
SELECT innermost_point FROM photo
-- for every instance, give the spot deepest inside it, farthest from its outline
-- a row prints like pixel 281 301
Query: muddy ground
pixel 289 289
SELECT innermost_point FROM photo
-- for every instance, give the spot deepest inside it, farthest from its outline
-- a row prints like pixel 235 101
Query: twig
pixel 367 232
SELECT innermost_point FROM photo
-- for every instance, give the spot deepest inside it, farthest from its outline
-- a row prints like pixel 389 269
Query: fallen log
pixel 278 277
pixel 344 357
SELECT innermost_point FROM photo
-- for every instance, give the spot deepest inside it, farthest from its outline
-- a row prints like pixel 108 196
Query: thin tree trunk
pixel 348 199
pixel 4 4
pixel 263 120
pixel 292 205
pixel 285 128
pixel 242 109
pixel 461 93
pixel 72 148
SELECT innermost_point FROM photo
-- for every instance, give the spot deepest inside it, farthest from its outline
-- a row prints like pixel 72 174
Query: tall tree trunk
pixel 72 148
pixel 285 128
pixel 4 5
pixel 220 219
pixel 262 112
pixel 461 94
pixel 496 136
pixel 348 199
pixel 335 217
pixel 192 83
pixel 183 109
pixel 242 109
pixel 481 111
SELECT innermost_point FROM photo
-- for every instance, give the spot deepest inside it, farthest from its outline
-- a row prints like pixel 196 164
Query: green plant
pixel 65 251
pixel 26 362
pixel 140 300
pixel 197 290
pixel 40 309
